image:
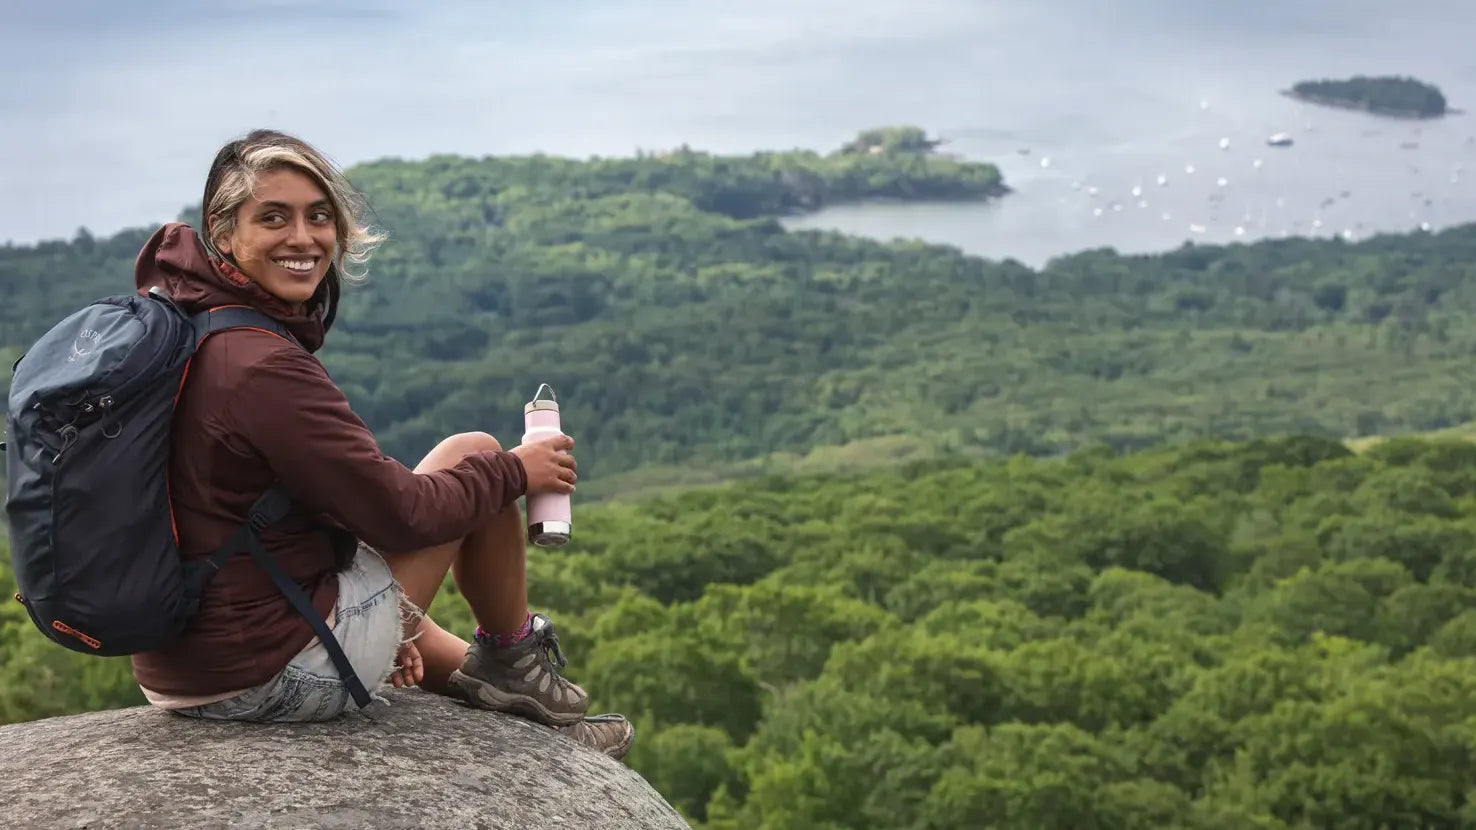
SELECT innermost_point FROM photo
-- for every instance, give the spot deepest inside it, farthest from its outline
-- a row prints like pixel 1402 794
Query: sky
pixel 112 110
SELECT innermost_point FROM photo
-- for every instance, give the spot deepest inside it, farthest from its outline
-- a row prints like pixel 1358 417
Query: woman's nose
pixel 300 235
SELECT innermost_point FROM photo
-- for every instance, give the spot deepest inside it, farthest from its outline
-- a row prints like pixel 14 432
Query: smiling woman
pixel 273 200
pixel 367 540
pixel 286 240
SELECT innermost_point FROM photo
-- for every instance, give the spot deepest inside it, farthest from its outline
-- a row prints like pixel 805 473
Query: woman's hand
pixel 410 668
pixel 550 467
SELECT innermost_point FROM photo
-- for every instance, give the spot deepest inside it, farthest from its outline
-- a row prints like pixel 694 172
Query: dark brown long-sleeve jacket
pixel 256 409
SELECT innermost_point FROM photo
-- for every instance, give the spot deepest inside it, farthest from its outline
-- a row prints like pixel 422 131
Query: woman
pixel 282 229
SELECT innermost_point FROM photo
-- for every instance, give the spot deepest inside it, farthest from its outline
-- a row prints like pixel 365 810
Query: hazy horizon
pixel 115 109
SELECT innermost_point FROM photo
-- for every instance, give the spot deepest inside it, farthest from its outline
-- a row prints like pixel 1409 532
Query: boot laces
pixel 549 641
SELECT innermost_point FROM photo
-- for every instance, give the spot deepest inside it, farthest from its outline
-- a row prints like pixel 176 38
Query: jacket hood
pixel 177 260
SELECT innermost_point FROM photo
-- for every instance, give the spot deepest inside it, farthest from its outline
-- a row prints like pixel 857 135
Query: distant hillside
pixel 1387 95
pixel 692 338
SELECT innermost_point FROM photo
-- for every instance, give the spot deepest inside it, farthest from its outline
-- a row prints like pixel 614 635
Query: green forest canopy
pixel 1272 634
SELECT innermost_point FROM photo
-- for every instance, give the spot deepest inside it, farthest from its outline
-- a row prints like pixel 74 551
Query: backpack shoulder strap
pixel 225 317
pixel 271 507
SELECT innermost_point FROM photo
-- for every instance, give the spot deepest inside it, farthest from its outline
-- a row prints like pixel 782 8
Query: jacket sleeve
pixel 298 420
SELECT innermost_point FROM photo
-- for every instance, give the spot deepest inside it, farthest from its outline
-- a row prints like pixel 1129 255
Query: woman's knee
pixel 452 449
pixel 470 442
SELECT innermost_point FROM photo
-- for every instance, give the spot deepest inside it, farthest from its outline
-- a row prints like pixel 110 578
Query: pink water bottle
pixel 550 517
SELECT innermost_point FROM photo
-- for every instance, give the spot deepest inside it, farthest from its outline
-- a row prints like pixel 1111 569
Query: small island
pixel 1399 97
pixel 879 164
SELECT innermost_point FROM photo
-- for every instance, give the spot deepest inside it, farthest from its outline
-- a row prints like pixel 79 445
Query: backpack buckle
pixel 271 508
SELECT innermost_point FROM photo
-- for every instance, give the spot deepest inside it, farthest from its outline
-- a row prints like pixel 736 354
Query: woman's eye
pixel 322 216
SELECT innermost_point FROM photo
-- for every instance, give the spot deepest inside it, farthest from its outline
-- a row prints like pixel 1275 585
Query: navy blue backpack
pixel 92 536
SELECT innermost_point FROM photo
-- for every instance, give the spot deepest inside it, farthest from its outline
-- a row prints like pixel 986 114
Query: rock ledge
pixel 423 762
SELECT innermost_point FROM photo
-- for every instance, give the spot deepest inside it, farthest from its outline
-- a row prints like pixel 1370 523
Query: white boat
pixel 1280 140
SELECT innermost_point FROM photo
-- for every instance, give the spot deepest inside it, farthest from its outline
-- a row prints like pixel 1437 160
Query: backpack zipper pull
pixel 110 428
pixel 69 437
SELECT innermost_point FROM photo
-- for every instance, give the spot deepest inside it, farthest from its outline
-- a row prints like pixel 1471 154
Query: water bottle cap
pixel 536 404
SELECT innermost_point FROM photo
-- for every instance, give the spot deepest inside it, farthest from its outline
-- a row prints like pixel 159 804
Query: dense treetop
pixel 1273 634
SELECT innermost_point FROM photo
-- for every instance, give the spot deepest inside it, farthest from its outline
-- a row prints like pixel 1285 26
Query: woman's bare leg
pixel 442 653
pixel 490 569
pixel 488 565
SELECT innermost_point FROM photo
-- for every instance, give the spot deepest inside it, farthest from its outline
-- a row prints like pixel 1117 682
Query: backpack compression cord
pixel 92 536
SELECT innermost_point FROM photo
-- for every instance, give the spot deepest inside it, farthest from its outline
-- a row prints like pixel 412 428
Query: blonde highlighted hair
pixel 232 180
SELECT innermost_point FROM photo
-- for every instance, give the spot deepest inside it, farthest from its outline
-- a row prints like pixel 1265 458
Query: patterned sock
pixel 505 640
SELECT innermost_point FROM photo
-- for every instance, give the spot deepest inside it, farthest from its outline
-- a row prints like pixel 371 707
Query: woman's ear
pixel 221 243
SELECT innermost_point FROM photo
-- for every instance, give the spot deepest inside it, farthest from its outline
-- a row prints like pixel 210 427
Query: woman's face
pixel 285 235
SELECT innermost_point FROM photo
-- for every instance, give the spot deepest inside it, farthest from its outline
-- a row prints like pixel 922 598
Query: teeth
pixel 295 264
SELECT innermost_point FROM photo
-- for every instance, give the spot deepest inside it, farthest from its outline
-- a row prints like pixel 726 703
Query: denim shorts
pixel 367 622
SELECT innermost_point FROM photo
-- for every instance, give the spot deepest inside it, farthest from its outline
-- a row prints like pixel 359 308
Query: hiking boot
pixel 610 734
pixel 521 679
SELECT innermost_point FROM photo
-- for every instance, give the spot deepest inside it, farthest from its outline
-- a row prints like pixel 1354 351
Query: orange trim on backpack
pixel 182 376
pixel 67 629
pixel 169 502
pixel 168 496
pixel 263 331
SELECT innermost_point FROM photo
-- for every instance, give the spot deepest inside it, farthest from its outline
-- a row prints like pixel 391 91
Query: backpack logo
pixel 84 344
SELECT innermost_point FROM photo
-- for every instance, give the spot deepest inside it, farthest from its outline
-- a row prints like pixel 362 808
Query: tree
pixel 1018 776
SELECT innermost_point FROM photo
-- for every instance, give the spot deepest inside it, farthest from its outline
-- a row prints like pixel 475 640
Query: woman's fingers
pixel 411 667
pixel 417 666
